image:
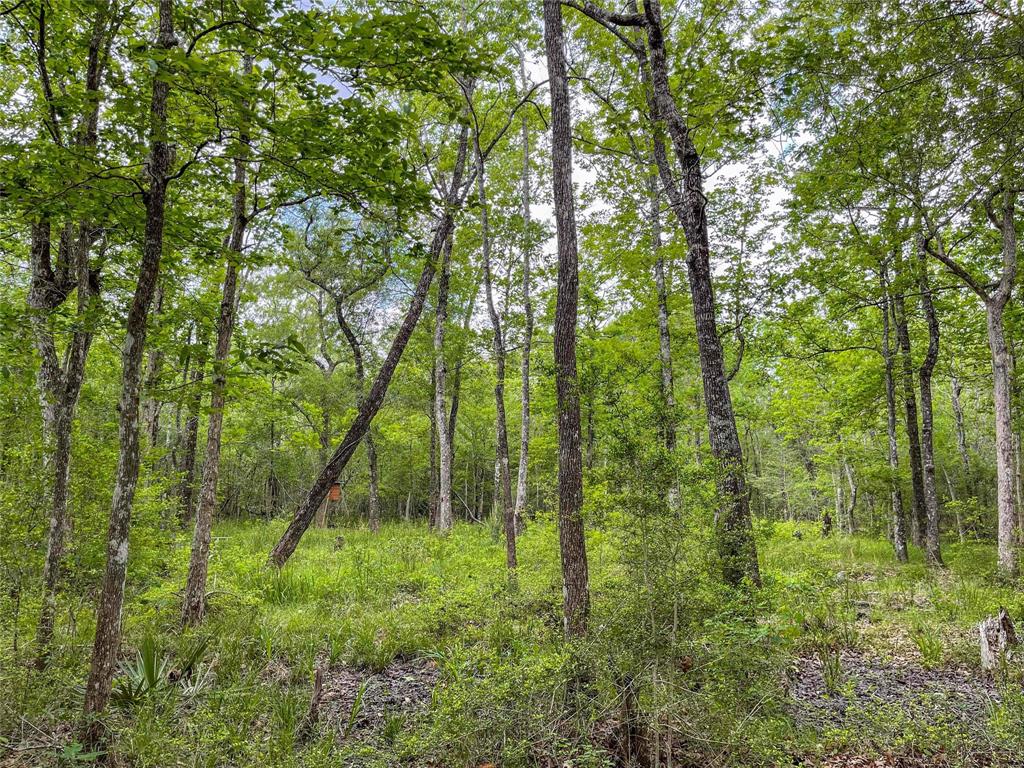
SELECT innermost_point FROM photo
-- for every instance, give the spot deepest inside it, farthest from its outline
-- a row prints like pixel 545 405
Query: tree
pixel 106 644
pixel 572 543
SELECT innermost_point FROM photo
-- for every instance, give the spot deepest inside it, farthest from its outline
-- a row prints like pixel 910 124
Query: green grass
pixel 708 666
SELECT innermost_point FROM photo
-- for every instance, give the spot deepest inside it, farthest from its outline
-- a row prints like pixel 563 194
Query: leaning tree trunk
pixel 572 543
pixel 194 603
pixel 524 365
pixel 445 515
pixel 932 550
pixel 899 516
pixel 734 530
pixel 375 397
pixel 503 490
pixel 919 520
pixel 107 643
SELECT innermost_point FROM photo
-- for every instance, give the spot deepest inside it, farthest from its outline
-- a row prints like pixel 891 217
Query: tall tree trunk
pixel 572 543
pixel 194 603
pixel 503 489
pixel 734 530
pixel 60 385
pixel 107 643
pixel 445 515
pixel 932 550
pixel 375 397
pixel 524 365
pixel 919 519
pixel 995 301
pixel 899 516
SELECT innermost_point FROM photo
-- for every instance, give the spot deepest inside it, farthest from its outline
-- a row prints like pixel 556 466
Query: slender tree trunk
pixel 572 543
pixel 107 643
pixel 194 603
pixel 961 434
pixel 445 515
pixel 960 532
pixel 375 397
pixel 503 488
pixel 432 485
pixel 899 516
pixel 60 385
pixel 668 395
pixel 524 366
pixel 154 363
pixel 374 512
pixel 919 519
pixel 734 530
pixel 1002 390
pixel 851 508
pixel 933 552
pixel 191 433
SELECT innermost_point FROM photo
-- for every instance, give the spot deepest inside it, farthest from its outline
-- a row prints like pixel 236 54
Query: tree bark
pixel 961 433
pixel 503 490
pixel 899 516
pixel 60 384
pixel 107 643
pixel 374 512
pixel 190 436
pixel 995 301
pixel 919 518
pixel 375 397
pixel 572 542
pixel 154 363
pixel 524 365
pixel 734 528
pixel 932 549
pixel 445 515
pixel 1002 391
pixel 194 603
pixel 668 395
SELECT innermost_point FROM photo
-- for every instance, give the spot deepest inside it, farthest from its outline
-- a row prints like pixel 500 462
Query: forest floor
pixel 428 658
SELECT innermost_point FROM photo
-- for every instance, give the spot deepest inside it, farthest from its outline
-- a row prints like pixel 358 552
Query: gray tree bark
pixel 107 642
pixel 503 489
pixel 919 518
pixel 524 365
pixel 572 542
pixel 932 549
pixel 899 515
pixel 194 603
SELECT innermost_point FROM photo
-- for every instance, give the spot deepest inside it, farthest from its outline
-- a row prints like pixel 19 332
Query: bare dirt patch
pixel 402 689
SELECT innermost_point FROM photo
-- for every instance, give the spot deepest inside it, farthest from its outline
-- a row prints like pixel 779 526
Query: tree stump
pixel 998 640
